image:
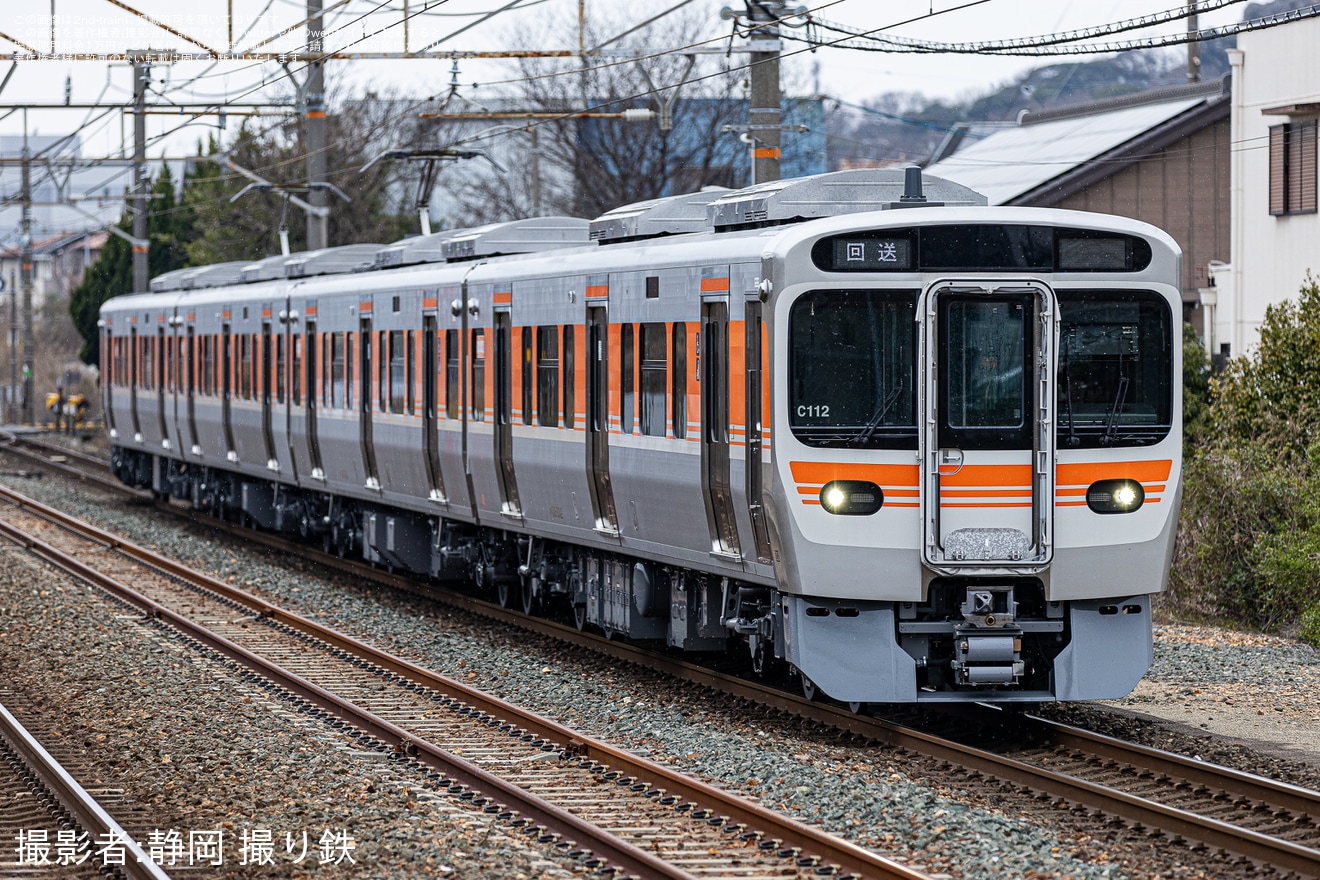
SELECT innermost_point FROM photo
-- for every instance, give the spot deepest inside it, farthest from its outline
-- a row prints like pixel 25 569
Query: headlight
pixel 1115 496
pixel 851 497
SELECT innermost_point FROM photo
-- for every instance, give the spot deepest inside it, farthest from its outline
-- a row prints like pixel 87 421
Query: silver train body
pixel 917 451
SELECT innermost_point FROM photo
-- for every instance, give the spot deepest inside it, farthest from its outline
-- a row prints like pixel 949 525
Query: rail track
pixel 1253 818
pixel 591 800
pixel 52 826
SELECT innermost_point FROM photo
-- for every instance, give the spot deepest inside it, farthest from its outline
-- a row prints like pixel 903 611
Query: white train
pixel 915 447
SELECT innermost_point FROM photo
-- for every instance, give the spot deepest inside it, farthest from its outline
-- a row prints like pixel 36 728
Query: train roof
pixel 653 218
pixel 779 202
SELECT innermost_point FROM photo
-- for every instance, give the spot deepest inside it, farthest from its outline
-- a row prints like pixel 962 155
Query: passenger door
pixel 598 421
pixel 988 441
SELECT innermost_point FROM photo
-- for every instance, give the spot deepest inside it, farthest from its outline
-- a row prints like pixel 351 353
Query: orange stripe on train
pixel 1087 473
pixel 821 472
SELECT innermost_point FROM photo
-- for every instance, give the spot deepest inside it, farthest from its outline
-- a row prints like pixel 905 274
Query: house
pixel 1275 225
pixel 58 263
pixel 1161 156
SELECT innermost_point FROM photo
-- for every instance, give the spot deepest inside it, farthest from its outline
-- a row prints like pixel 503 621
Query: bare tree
pixel 361 127
pixel 587 166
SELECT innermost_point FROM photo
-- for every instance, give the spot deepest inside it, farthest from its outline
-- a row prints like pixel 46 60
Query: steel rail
pixel 1211 832
pixel 814 842
pixel 618 852
pixel 84 809
pixel 1294 798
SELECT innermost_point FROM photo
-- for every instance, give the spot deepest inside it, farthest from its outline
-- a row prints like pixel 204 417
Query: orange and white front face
pixel 978 425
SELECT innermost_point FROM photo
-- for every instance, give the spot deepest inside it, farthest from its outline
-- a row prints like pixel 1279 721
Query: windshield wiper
pixel 1120 395
pixel 1073 439
pixel 864 435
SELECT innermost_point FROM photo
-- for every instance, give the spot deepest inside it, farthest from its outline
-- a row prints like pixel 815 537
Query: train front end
pixel 976 451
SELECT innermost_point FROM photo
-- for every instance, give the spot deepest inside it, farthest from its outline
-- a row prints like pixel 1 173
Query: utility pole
pixel 318 227
pixel 763 112
pixel 141 76
pixel 25 275
pixel 1193 47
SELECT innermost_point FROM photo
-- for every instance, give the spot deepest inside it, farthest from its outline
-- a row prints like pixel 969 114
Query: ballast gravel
pixel 209 756
pixel 866 793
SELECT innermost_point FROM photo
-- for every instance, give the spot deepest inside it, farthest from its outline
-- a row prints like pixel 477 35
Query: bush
pixel 1249 536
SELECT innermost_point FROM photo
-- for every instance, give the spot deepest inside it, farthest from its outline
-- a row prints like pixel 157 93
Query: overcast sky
pixel 99 27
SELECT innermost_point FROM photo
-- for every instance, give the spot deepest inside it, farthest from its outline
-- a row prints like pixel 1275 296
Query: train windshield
pixel 1115 369
pixel 852 369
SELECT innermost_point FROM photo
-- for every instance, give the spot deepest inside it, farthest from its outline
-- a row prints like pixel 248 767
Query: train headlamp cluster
pixel 851 497
pixel 1115 496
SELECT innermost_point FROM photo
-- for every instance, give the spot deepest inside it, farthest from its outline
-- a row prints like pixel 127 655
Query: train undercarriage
pixel 968 637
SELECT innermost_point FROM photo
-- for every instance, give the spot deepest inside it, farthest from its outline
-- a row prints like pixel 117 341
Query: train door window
pixel 453 364
pixel 627 379
pixel 987 387
pixel 187 380
pixel 438 367
pixel 569 363
pixel 226 364
pixel 337 370
pixel 678 394
pixel 296 374
pixel 383 373
pixel 170 368
pixel 280 367
pixel 409 379
pixel 503 369
pixel 653 348
pixel 244 367
pixel 478 372
pixel 350 355
pixel 162 351
pixel 547 376
pixel 528 386
pixel 398 372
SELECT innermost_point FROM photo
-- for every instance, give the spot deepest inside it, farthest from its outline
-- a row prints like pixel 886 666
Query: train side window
pixel 678 394
pixel 569 363
pixel 627 380
pixel 547 376
pixel 655 368
pixel 478 390
pixel 453 400
pixel 528 386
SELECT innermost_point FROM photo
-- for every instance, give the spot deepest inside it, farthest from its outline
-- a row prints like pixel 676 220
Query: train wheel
pixel 809 689
pixel 857 708
pixel 580 616
pixel 528 596
pixel 504 593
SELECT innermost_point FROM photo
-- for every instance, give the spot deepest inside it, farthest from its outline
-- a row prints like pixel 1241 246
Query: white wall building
pixel 1276 227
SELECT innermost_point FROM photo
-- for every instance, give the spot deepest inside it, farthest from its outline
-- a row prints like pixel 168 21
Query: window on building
pixel 1292 168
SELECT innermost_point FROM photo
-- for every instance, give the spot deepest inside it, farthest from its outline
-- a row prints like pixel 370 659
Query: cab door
pixel 988 441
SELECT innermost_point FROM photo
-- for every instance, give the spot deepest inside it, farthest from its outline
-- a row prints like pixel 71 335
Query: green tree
pixel 359 129
pixel 1197 422
pixel 1249 535
pixel 112 275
